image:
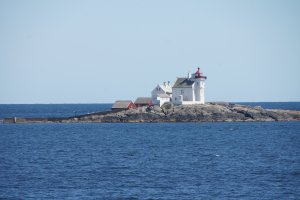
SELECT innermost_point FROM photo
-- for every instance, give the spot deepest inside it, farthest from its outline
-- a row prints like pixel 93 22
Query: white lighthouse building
pixel 189 90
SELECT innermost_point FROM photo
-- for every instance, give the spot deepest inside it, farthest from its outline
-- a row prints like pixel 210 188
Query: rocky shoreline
pixel 210 112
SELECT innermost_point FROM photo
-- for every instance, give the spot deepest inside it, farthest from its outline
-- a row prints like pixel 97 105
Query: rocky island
pixel 209 112
pixel 184 101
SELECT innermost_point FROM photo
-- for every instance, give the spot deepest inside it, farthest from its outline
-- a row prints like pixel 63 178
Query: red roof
pixel 198 71
pixel 198 74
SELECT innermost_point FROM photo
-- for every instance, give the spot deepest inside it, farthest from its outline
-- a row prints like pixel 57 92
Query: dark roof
pixel 183 82
pixel 121 104
pixel 143 100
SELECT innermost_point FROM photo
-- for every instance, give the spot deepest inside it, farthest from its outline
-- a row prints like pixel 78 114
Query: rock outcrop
pixel 210 112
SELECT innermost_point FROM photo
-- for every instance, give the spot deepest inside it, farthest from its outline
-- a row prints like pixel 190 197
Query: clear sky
pixel 68 51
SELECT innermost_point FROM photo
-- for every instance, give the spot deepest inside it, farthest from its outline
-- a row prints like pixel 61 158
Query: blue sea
pixel 231 160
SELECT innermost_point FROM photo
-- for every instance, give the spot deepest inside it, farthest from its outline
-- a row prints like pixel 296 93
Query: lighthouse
pixel 190 89
pixel 199 86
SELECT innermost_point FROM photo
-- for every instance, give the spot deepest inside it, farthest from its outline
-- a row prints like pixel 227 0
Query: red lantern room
pixel 198 74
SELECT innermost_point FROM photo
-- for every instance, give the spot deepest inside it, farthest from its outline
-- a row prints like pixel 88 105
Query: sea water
pixel 50 110
pixel 237 160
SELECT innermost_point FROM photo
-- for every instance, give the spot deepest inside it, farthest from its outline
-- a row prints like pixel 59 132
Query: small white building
pixel 162 93
pixel 189 90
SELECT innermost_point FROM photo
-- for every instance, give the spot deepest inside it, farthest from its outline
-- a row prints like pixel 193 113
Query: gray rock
pixel 210 112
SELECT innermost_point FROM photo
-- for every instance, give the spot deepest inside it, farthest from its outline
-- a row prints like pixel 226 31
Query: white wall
pixel 163 100
pixel 156 92
pixel 160 101
pixel 197 90
pixel 202 97
pixel 176 93
pixel 177 99
pixel 188 93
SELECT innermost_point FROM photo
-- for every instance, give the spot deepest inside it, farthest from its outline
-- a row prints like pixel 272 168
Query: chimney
pixel 164 83
pixel 189 75
pixel 169 83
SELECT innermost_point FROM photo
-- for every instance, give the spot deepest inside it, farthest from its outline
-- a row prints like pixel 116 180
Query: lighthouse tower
pixel 199 86
pixel 189 90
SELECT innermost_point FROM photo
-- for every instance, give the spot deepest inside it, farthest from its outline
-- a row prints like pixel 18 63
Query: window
pixel 182 91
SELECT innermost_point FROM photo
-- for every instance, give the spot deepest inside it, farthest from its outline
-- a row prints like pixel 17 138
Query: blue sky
pixel 68 51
